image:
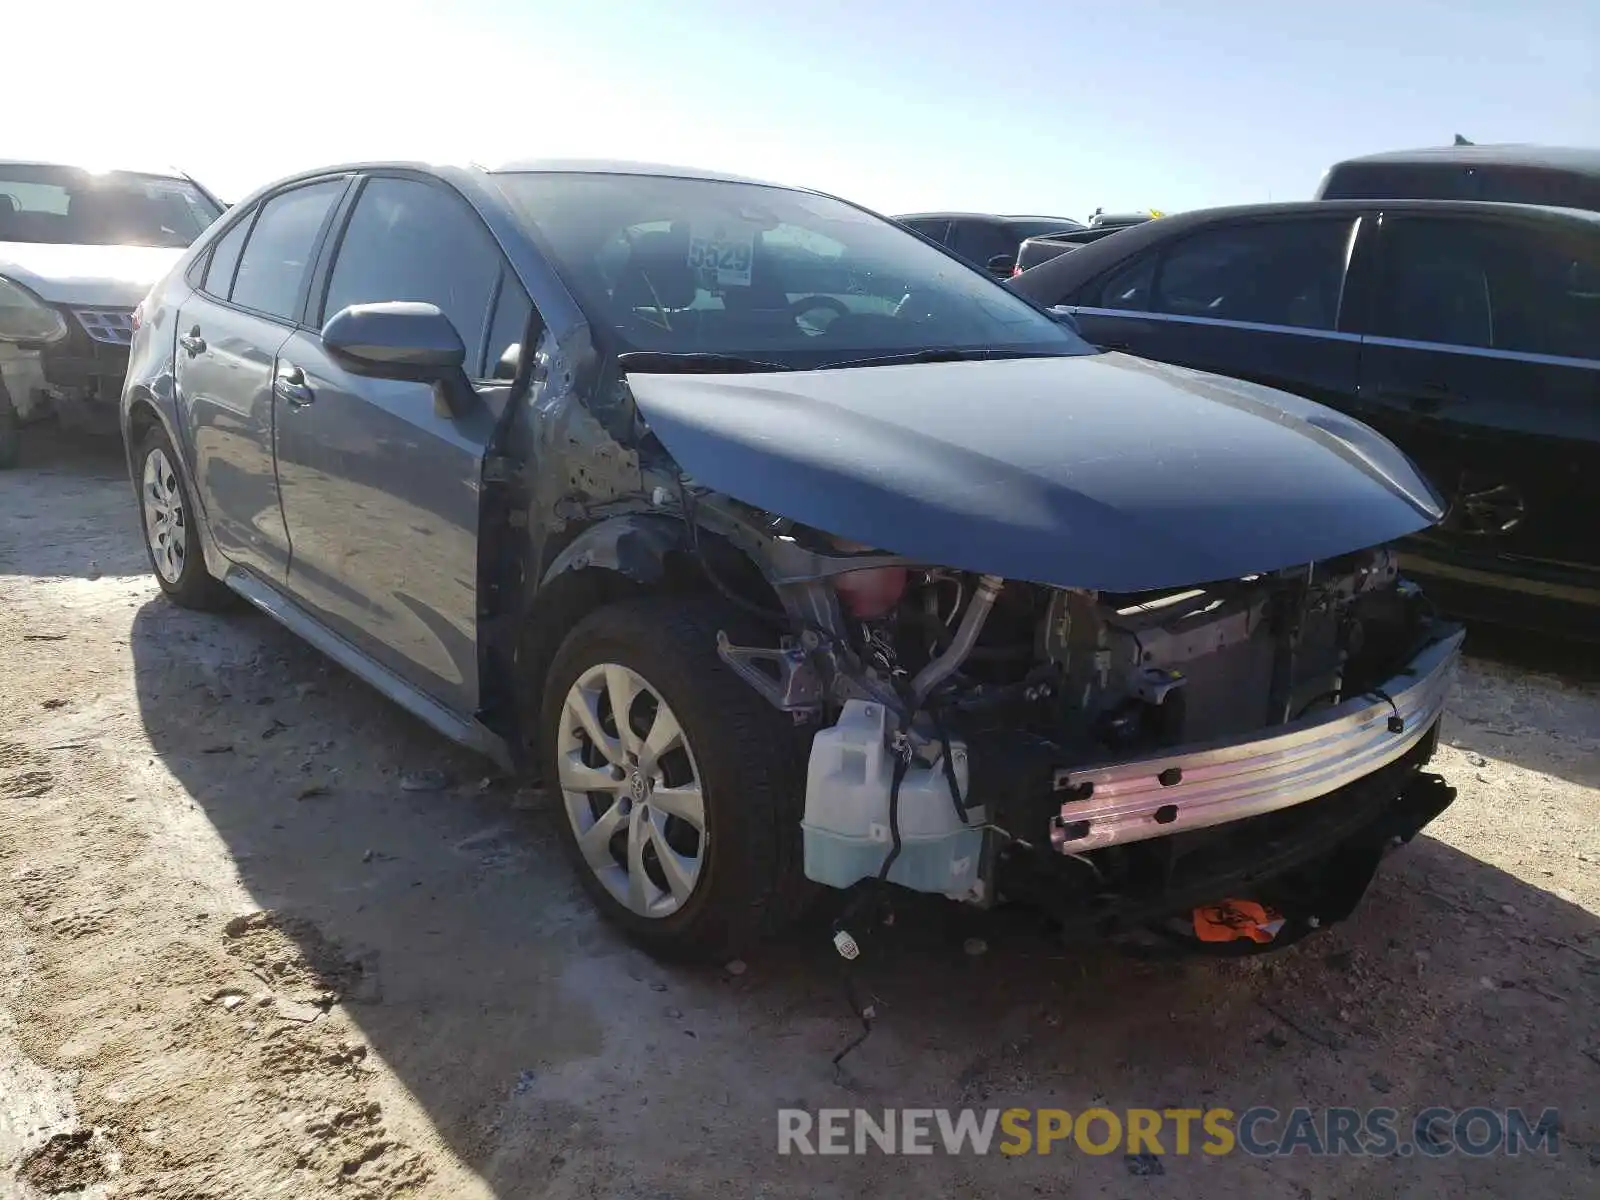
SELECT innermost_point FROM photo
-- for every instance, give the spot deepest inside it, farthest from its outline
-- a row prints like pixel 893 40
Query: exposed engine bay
pixel 962 717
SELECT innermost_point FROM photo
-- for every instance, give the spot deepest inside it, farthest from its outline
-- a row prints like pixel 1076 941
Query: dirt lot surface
pixel 250 948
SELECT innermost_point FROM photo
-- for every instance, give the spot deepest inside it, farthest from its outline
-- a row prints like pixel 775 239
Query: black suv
pixel 988 242
pixel 1469 333
pixel 1558 176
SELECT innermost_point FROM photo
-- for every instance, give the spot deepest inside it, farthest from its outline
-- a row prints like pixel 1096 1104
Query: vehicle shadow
pixel 550 1056
pixel 61 470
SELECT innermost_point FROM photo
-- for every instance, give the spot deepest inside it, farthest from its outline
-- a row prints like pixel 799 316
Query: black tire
pixel 10 431
pixel 194 587
pixel 750 761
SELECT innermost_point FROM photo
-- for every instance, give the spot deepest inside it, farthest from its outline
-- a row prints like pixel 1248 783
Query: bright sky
pixel 998 105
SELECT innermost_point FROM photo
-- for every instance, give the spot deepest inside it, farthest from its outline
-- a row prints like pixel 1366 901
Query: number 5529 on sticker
pixel 723 251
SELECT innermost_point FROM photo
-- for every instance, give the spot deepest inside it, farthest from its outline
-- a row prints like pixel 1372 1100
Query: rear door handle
pixel 192 342
pixel 290 386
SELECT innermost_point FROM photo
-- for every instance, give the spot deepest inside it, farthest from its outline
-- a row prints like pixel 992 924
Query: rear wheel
pixel 678 789
pixel 171 538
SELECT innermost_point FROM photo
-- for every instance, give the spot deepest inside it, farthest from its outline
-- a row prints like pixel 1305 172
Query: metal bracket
pixel 1151 684
pixel 791 686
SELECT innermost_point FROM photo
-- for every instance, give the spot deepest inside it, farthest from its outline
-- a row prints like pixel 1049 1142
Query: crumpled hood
pixel 113 276
pixel 1100 471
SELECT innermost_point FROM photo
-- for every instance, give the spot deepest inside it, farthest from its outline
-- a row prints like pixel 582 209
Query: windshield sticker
pixel 724 251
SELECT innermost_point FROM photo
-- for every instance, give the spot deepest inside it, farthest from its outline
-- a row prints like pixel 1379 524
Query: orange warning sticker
pixel 1233 920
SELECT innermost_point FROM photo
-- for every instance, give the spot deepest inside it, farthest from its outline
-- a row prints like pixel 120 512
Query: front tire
pixel 682 819
pixel 171 533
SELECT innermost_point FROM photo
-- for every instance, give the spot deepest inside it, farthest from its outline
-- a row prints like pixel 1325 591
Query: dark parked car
pixel 1468 333
pixel 1557 176
pixel 777 587
pixel 986 241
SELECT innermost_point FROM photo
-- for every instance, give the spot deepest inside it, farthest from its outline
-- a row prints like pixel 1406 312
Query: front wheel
pixel 678 789
pixel 171 537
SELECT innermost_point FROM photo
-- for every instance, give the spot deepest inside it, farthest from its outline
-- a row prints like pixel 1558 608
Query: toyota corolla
pixel 792 553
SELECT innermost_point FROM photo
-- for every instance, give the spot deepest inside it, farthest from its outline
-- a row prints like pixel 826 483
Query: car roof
pixel 611 166
pixel 1566 158
pixel 1088 260
pixel 98 168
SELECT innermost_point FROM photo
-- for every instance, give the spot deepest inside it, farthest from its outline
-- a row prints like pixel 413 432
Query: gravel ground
pixel 243 955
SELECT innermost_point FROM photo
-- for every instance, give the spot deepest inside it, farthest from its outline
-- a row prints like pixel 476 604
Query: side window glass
pixel 1544 291
pixel 409 240
pixel 1128 288
pixel 225 258
pixel 1274 273
pixel 936 230
pixel 1436 283
pixel 978 241
pixel 278 254
pixel 506 330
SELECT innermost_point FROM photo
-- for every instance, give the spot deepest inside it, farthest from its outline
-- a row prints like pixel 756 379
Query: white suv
pixel 78 251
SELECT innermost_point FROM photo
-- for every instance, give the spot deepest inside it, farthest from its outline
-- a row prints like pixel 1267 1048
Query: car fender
pixel 634 545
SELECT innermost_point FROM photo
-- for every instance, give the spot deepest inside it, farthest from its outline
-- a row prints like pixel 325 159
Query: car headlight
pixel 25 318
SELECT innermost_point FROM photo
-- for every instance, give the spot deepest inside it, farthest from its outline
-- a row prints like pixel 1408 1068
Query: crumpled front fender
pixel 635 545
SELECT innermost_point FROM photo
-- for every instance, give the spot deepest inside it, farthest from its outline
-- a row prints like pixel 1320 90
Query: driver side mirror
pixel 1001 265
pixel 401 340
pixel 395 340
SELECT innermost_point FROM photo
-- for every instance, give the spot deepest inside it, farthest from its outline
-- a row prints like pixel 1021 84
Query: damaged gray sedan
pixel 794 554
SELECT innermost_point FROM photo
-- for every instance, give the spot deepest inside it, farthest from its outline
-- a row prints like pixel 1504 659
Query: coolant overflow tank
pixel 846 824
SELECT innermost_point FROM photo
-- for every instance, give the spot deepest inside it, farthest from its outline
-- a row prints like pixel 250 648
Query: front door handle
pixel 192 342
pixel 290 386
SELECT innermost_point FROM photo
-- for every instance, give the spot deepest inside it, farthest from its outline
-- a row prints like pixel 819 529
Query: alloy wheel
pixel 164 518
pixel 631 790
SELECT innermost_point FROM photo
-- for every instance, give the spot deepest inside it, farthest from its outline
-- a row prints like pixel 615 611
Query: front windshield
pixel 65 206
pixel 697 266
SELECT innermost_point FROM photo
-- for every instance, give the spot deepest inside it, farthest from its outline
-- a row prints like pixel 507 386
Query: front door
pixel 1484 365
pixel 381 483
pixel 229 333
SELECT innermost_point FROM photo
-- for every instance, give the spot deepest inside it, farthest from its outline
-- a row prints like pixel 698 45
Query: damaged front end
pixel 63 361
pixel 1115 758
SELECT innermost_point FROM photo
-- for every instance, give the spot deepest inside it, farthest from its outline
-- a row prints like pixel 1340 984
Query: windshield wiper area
pixel 950 354
pixel 660 362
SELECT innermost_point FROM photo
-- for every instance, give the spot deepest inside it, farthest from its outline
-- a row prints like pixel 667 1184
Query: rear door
pixel 381 483
pixel 229 333
pixel 1483 363
pixel 1258 300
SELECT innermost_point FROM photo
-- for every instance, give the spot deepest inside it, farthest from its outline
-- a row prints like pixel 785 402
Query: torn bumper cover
pixel 1159 795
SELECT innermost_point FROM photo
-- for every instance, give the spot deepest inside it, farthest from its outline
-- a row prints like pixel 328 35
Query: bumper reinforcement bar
pixel 1114 803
